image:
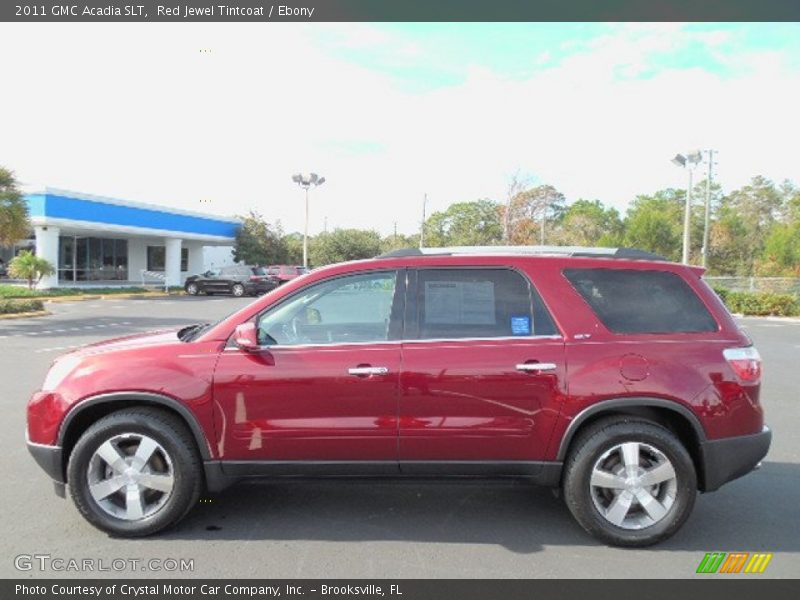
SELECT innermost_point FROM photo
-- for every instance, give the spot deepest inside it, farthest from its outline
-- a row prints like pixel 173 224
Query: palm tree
pixel 26 265
pixel 14 224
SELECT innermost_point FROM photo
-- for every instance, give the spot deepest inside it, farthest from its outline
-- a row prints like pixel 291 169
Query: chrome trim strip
pixel 393 342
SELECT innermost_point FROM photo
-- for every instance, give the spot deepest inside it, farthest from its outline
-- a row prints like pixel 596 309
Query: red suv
pixel 613 375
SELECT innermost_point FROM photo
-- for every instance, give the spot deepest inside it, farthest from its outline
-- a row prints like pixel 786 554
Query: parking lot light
pixel 305 181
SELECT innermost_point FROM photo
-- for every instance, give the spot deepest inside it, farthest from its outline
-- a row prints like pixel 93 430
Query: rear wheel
pixel 238 290
pixel 192 289
pixel 135 472
pixel 629 482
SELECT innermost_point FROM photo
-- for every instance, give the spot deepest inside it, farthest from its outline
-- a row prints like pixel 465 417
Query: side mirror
pixel 246 336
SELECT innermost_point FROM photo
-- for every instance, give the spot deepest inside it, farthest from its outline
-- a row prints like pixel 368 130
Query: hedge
pixel 16 291
pixel 760 303
pixel 10 307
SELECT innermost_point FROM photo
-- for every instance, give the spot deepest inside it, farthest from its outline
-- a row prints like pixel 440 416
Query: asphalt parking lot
pixel 381 529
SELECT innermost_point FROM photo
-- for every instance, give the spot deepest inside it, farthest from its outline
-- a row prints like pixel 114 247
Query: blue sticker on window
pixel 520 325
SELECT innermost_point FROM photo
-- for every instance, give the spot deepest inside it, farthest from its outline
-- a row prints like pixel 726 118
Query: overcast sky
pixel 389 112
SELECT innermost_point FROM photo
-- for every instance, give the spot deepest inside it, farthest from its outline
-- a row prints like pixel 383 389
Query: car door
pixel 483 372
pixel 323 388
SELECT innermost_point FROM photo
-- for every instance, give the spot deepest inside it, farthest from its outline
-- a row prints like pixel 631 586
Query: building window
pixel 156 258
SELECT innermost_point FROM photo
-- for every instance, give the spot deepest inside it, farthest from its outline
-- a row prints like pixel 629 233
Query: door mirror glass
pixel 245 336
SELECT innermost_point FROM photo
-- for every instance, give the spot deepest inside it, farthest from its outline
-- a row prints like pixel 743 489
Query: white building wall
pixel 217 256
pixel 137 258
pixel 196 265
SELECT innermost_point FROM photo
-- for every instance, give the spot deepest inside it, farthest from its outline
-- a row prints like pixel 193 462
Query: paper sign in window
pixel 459 302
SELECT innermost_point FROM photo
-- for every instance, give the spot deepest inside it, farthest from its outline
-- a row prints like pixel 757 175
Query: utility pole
pixel 687 221
pixel 708 207
pixel 325 225
pixel 422 228
pixel 395 230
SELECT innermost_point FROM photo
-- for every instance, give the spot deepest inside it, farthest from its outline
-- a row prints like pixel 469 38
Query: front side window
pixel 638 301
pixel 479 303
pixel 354 308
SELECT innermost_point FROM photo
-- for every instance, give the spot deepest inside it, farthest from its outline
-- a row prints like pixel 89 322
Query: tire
pixel 237 289
pixel 192 289
pixel 613 502
pixel 118 437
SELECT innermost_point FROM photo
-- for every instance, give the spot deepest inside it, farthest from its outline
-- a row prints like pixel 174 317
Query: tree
pixel 399 242
pixel 529 212
pixel 655 223
pixel 757 206
pixel 14 223
pixel 259 243
pixel 293 242
pixel 588 223
pixel 475 223
pixel 344 244
pixel 26 265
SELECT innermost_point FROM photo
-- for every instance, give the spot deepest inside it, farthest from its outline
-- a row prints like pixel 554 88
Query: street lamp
pixel 305 181
pixel 689 162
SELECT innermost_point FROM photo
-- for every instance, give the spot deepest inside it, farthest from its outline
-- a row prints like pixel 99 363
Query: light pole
pixel 707 216
pixel 689 162
pixel 305 181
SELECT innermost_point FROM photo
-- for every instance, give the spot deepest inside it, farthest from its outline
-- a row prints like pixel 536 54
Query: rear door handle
pixel 368 370
pixel 536 367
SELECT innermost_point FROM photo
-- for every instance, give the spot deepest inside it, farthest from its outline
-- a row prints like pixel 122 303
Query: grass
pixel 10 307
pixel 14 291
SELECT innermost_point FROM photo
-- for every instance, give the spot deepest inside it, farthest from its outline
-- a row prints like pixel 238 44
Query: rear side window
pixel 479 303
pixel 632 301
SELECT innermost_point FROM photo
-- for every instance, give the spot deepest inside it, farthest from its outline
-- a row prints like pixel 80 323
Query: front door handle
pixel 536 367
pixel 368 370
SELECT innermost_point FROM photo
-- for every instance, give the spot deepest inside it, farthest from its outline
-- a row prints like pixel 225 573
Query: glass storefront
pixel 92 259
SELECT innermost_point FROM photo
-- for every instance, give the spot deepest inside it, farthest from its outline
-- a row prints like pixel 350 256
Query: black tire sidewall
pixel 588 450
pixel 185 463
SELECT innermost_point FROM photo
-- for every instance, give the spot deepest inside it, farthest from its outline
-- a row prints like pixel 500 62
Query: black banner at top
pixel 397 10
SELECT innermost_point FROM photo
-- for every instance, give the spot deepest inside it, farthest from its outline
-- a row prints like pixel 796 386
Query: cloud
pixel 137 111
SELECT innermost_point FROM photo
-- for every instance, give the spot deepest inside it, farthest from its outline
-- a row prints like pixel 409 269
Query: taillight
pixel 745 362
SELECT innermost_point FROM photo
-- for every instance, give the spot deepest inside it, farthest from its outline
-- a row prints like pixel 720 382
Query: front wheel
pixel 629 482
pixel 238 290
pixel 192 289
pixel 135 472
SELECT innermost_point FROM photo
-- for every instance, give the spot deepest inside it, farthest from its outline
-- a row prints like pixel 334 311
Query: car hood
pixel 150 338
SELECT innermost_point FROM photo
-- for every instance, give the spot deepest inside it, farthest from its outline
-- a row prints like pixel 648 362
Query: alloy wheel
pixel 130 476
pixel 633 485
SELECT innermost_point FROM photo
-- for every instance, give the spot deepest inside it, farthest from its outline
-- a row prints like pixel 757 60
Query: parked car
pixel 284 273
pixel 612 375
pixel 238 280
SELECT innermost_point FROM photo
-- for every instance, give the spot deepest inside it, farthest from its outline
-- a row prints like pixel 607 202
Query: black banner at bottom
pixel 402 589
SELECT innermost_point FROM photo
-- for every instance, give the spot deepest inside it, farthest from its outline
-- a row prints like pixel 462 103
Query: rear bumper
pixel 729 458
pixel 49 458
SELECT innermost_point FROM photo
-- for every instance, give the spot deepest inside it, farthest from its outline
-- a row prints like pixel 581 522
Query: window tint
pixel 479 303
pixel 355 308
pixel 630 301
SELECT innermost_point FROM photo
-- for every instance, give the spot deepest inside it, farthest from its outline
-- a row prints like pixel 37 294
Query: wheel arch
pixel 669 413
pixel 88 411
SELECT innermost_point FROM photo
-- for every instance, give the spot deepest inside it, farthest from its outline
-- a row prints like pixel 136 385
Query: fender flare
pixel 144 398
pixel 634 402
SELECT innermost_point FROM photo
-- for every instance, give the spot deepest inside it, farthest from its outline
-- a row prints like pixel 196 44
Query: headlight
pixel 58 372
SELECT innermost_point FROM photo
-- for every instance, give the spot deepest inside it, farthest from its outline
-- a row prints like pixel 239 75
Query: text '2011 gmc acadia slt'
pixel 614 375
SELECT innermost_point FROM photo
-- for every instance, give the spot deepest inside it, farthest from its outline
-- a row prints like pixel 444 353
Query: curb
pixel 83 297
pixel 25 315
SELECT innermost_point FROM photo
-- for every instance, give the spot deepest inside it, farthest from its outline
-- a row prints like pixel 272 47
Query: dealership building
pixel 93 240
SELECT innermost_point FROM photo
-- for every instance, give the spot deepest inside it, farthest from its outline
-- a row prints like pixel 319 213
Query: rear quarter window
pixel 637 301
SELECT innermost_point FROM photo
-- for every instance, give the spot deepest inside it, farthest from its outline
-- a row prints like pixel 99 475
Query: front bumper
pixel 727 459
pixel 50 459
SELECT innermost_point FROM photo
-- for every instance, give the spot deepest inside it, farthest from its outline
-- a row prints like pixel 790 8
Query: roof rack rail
pixel 579 251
